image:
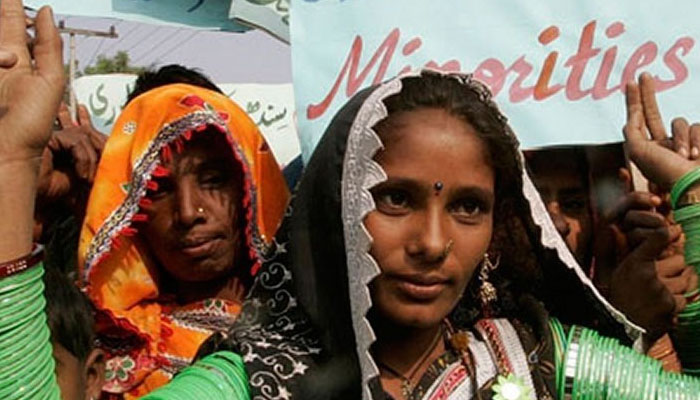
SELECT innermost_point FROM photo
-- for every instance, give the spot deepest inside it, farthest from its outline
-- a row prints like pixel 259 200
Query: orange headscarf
pixel 153 338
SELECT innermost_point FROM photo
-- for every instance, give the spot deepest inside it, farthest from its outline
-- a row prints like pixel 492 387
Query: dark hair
pixel 167 75
pixel 69 315
pixel 470 101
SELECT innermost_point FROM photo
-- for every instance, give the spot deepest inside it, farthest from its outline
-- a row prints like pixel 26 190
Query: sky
pixel 251 57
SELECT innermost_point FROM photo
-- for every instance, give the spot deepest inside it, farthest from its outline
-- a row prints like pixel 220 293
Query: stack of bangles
pixel 686 212
pixel 589 366
pixel 219 376
pixel 27 367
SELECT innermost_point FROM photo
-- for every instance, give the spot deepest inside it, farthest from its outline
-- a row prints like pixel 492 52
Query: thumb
pixel 655 243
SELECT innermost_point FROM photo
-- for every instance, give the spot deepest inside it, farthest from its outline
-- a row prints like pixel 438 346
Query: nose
pixel 430 240
pixel 557 216
pixel 189 210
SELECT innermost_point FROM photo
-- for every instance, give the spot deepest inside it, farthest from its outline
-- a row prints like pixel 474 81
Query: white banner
pixel 270 106
pixel 556 68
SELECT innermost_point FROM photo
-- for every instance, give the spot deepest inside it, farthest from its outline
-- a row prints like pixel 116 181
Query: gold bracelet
pixel 688 198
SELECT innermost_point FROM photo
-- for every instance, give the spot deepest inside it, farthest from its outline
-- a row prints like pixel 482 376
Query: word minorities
pixel 494 72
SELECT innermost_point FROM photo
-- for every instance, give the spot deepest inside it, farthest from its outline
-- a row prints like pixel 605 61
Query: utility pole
pixel 72 32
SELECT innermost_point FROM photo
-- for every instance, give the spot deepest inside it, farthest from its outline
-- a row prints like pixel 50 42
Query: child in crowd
pixel 80 368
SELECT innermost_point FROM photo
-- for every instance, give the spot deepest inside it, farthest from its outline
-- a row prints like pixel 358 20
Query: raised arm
pixel 662 159
pixel 31 85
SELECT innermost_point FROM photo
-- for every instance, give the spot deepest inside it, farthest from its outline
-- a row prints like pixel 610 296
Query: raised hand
pixel 71 156
pixel 31 85
pixel 661 159
pixel 31 89
pixel 635 285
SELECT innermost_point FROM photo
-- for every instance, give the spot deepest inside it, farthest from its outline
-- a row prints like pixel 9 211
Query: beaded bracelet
pixel 23 263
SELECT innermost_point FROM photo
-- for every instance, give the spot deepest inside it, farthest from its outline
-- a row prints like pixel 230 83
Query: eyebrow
pixel 474 191
pixel 206 164
pixel 574 191
pixel 413 185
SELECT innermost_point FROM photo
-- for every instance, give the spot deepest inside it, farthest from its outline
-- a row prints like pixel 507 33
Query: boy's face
pixel 78 380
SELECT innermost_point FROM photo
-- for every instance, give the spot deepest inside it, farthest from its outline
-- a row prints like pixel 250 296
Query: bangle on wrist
pixel 690 197
pixel 683 184
pixel 23 263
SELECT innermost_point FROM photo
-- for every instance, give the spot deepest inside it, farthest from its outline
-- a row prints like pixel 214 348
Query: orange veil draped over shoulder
pixel 147 337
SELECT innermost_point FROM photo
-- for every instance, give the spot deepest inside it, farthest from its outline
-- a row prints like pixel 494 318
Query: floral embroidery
pixel 214 305
pixel 510 388
pixel 129 128
pixel 119 372
pixel 196 101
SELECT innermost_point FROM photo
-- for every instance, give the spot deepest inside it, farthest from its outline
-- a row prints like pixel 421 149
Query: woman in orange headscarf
pixel 186 198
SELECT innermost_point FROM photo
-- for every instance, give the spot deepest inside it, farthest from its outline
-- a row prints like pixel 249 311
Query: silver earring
pixel 200 210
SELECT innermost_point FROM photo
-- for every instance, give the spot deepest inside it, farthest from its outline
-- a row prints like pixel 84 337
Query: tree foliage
pixel 119 63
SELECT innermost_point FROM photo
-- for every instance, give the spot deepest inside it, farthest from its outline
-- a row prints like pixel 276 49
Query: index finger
pixel 633 99
pixel 64 116
pixel 13 30
pixel 48 50
pixel 633 130
pixel 652 115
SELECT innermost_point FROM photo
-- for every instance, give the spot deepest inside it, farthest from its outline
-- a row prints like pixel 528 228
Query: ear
pixel 94 373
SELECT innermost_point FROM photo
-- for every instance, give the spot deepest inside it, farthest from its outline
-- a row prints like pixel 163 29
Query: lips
pixel 421 287
pixel 199 247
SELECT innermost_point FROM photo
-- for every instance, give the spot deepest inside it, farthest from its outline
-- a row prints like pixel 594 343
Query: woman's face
pixel 193 228
pixel 414 222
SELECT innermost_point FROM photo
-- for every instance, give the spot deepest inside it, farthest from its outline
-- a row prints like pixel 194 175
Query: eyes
pixel 465 207
pixel 206 179
pixel 573 205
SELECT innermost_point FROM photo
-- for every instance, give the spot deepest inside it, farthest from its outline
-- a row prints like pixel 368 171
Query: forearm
pixel 18 180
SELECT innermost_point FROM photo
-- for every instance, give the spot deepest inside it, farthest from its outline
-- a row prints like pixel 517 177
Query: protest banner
pixel 202 14
pixel 270 106
pixel 556 68
pixel 269 15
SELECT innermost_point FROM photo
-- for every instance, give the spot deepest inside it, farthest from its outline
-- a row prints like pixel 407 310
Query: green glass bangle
pixel 27 375
pixel 220 375
pixel 17 320
pixel 32 329
pixel 682 185
pixel 22 279
pixel 42 377
pixel 558 350
pixel 16 303
pixel 22 352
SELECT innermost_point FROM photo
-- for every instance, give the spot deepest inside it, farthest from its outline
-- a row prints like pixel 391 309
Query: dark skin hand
pixel 647 142
pixel 70 159
pixel 625 255
pixel 663 160
pixel 636 284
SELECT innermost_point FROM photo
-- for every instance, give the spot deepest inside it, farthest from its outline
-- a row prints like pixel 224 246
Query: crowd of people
pixel 419 254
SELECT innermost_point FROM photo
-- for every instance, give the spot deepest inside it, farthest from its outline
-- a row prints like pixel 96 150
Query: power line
pixel 178 44
pixel 73 32
pixel 167 37
pixel 122 37
pixel 99 46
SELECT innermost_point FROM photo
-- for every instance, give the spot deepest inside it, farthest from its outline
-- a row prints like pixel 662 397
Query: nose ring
pixel 448 249
pixel 200 210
